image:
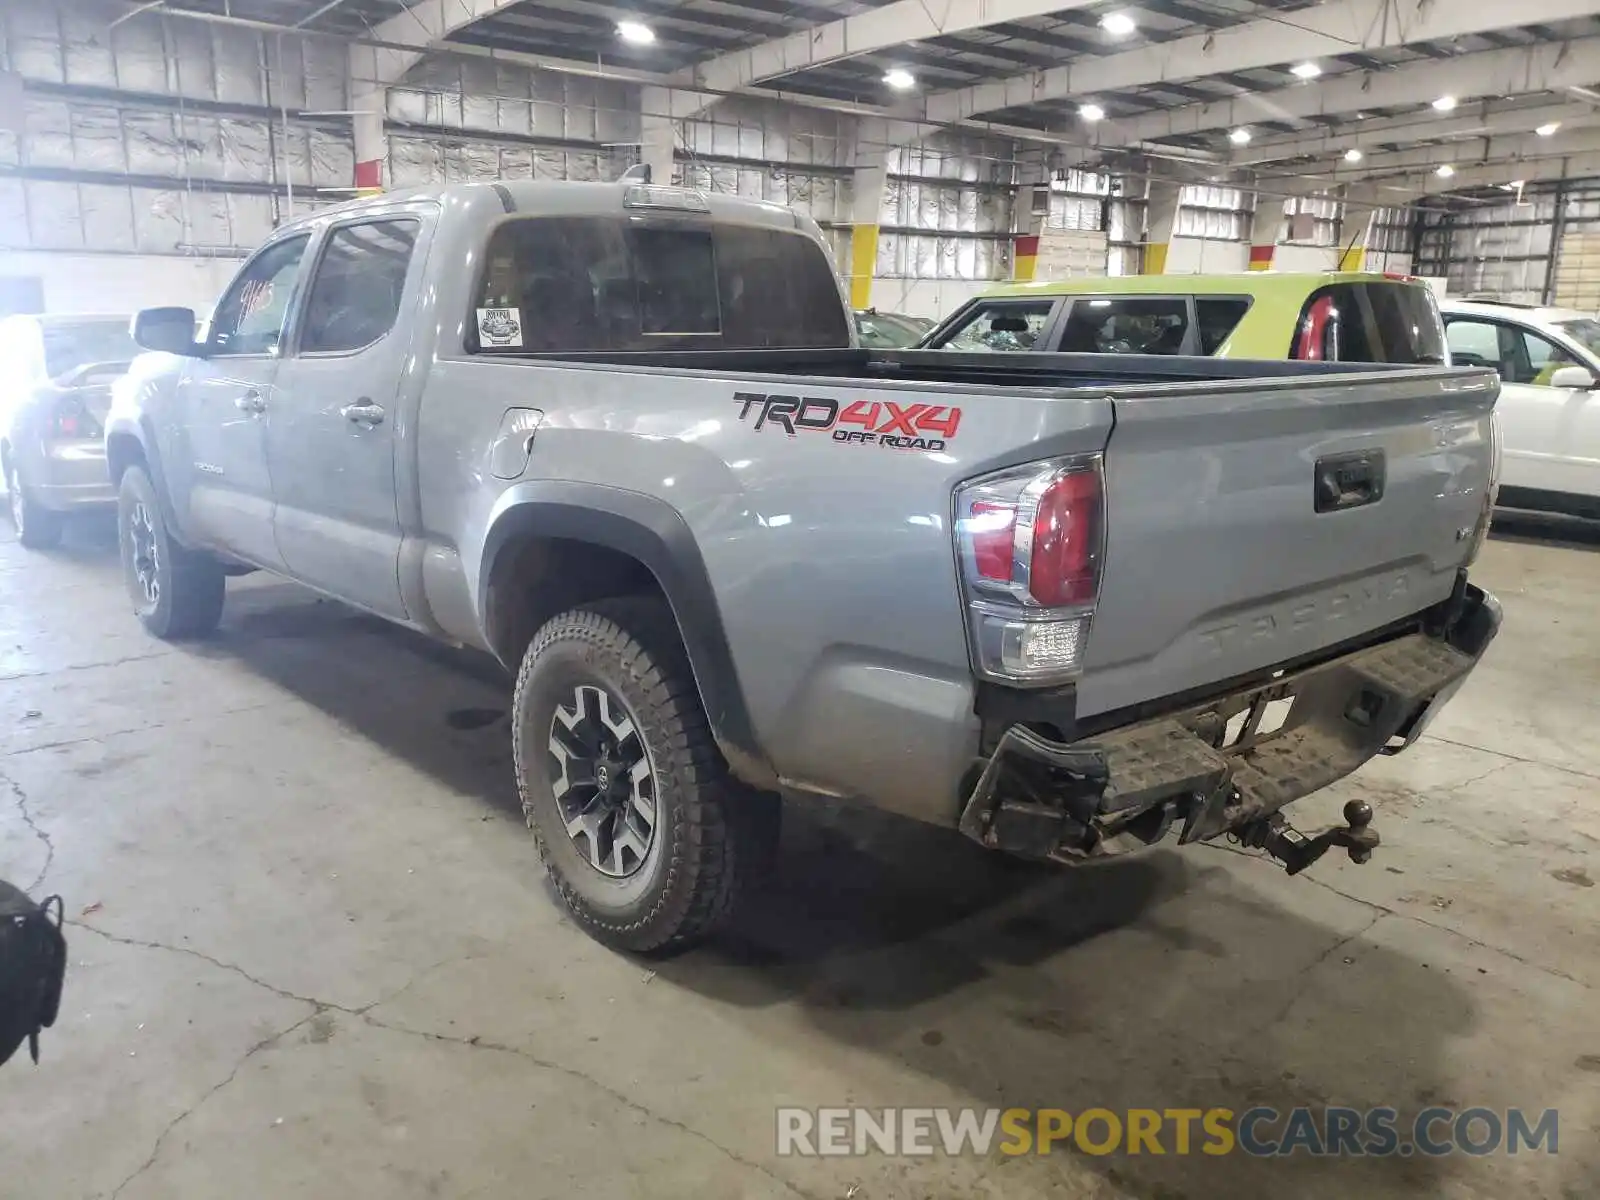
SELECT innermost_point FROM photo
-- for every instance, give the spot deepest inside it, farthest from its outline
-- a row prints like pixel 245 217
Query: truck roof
pixel 1252 283
pixel 554 197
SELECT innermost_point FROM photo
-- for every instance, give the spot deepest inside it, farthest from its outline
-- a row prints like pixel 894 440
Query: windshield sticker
pixel 499 327
pixel 861 423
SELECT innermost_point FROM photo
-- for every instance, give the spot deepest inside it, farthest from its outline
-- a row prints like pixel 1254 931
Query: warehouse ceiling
pixel 1444 93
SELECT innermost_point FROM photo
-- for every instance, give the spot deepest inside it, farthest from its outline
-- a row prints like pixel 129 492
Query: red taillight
pixel 1065 535
pixel 1314 329
pixel 71 420
pixel 1028 542
pixel 993 531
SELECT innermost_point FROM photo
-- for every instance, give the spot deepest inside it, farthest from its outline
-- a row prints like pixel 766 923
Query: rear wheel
pixel 38 528
pixel 647 838
pixel 176 592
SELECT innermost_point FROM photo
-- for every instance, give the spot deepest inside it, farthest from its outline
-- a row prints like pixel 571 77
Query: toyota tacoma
pixel 622 437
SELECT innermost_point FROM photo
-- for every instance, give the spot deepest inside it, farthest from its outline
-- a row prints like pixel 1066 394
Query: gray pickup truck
pixel 621 437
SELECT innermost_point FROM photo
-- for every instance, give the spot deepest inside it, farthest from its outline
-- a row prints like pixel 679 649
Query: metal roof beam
pixel 1578 166
pixel 1516 72
pixel 1486 120
pixel 428 22
pixel 1505 154
pixel 863 33
pixel 1335 28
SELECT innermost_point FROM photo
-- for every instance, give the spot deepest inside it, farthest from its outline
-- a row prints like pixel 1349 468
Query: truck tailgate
pixel 1249 525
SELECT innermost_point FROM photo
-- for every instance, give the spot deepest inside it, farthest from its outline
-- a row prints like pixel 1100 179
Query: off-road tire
pixel 712 835
pixel 191 584
pixel 37 527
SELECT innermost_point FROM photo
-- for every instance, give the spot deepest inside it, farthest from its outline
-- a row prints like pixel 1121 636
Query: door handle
pixel 250 402
pixel 363 414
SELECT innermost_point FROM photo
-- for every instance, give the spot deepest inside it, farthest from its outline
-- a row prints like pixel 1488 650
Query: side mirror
pixel 1577 379
pixel 168 329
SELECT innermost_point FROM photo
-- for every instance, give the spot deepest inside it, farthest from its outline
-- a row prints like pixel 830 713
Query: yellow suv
pixel 1338 316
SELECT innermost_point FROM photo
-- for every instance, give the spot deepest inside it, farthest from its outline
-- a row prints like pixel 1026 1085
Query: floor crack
pixel 233 968
pixel 155 1150
pixel 1385 910
pixel 476 1043
pixel 1306 981
pixel 13 676
pixel 21 798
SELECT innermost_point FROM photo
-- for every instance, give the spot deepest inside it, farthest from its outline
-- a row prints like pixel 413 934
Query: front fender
pixel 653 533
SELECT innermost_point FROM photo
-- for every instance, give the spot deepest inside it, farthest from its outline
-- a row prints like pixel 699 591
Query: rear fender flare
pixel 654 534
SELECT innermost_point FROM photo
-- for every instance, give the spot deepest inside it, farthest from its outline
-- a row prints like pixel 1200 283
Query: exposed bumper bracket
pixel 1041 797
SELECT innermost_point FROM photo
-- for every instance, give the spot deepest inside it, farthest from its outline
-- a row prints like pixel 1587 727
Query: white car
pixel 1549 364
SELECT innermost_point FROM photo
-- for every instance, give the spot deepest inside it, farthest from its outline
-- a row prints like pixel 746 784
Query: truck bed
pixel 1030 370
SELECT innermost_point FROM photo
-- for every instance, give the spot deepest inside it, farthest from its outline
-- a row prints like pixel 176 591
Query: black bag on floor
pixel 33 963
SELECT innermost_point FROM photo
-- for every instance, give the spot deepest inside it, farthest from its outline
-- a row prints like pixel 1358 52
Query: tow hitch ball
pixel 1296 852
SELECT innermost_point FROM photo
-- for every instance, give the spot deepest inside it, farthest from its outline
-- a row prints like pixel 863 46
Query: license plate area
pixel 1258 718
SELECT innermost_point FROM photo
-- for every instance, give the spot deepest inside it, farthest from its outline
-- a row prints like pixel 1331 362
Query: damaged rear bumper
pixel 1230 763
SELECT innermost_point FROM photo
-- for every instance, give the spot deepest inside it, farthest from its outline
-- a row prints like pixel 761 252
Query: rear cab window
pixel 602 283
pixel 1378 322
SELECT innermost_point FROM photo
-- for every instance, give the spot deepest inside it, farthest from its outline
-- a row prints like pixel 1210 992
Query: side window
pixel 999 326
pixel 1536 360
pixel 356 290
pixel 1127 325
pixel 250 318
pixel 1218 316
pixel 1474 343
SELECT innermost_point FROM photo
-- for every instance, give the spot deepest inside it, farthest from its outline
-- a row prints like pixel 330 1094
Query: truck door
pixel 225 398
pixel 335 424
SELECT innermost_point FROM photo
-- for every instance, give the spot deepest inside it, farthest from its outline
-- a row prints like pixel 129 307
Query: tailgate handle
pixel 1349 480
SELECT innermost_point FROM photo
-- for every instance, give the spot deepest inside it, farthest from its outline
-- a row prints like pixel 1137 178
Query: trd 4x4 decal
pixel 862 422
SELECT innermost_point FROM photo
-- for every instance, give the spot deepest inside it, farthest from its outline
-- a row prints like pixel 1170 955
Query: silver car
pixel 55 387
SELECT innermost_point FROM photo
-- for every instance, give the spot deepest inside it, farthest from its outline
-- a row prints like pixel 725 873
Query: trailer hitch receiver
pixel 1296 851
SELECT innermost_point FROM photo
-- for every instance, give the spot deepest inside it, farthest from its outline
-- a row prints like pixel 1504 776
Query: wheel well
pixel 123 450
pixel 534 578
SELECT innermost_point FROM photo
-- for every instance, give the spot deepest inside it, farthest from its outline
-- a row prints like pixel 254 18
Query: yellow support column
pixel 863 261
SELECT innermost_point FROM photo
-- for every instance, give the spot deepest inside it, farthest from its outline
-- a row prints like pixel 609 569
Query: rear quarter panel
pixel 832 564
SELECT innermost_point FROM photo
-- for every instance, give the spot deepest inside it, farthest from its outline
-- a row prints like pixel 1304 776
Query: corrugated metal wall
pixel 1497 250
pixel 947 209
pixel 160 136
pixel 455 121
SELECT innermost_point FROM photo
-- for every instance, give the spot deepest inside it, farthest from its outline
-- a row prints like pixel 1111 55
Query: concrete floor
pixel 313 953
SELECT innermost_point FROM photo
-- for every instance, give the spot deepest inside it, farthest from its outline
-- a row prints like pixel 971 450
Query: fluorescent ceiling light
pixel 1444 103
pixel 636 32
pixel 1547 130
pixel 1445 171
pixel 1305 70
pixel 1240 137
pixel 1092 112
pixel 1118 24
pixel 1352 155
pixel 900 79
